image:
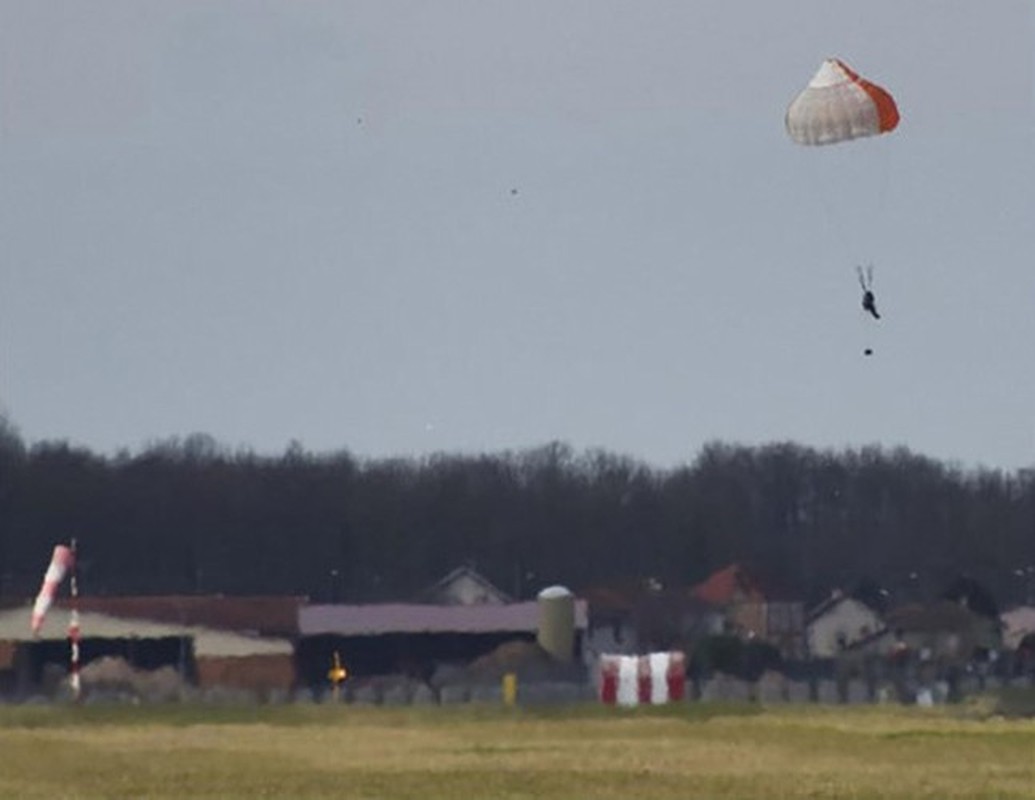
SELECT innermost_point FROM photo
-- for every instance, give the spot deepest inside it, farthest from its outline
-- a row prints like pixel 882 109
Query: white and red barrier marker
pixel 652 679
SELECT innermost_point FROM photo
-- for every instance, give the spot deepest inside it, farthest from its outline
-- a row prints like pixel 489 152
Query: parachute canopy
pixel 839 105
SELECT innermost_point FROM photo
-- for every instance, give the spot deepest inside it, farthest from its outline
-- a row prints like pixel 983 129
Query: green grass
pixel 488 753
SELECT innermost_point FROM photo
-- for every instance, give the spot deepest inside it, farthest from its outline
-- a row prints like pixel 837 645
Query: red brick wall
pixel 7 651
pixel 260 673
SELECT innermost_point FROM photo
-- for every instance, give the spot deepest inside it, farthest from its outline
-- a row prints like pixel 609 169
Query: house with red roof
pixel 755 608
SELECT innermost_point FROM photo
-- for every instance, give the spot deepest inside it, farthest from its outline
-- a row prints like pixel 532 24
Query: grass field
pixel 696 751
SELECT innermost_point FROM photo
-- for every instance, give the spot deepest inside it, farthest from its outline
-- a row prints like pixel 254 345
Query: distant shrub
pixel 747 660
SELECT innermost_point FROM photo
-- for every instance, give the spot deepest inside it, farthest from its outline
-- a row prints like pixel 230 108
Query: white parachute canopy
pixel 61 563
pixel 839 105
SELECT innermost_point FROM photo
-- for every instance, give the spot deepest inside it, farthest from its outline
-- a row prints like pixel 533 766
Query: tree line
pixel 190 516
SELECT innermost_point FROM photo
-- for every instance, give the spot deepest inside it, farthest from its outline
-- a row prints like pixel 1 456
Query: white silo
pixel 557 622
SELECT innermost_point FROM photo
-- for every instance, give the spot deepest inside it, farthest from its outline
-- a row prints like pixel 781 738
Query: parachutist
pixel 870 304
pixel 866 282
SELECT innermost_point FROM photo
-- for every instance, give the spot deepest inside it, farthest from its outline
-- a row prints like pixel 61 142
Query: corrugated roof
pixel 208 642
pixel 264 615
pixel 364 620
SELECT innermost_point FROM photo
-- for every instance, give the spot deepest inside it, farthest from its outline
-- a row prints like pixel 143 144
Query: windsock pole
pixel 73 629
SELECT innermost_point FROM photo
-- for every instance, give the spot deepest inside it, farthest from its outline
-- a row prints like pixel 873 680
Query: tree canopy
pixel 187 515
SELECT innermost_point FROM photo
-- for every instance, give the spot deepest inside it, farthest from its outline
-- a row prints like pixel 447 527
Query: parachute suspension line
pixel 839 217
pixel 865 278
pixel 837 221
pixel 857 221
pixel 836 106
pixel 884 172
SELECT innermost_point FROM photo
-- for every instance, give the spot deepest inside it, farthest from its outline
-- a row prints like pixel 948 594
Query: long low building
pixel 204 655
pixel 266 643
pixel 413 638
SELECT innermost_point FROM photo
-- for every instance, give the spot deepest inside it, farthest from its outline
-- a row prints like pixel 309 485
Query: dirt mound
pixel 513 656
pixel 111 674
pixel 525 659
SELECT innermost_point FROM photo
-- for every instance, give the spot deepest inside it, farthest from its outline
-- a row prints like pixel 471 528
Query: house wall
pixel 748 619
pixel 785 627
pixel 781 624
pixel 849 619
pixel 8 667
pixel 1017 624
pixel 7 651
pixel 616 637
pixel 259 673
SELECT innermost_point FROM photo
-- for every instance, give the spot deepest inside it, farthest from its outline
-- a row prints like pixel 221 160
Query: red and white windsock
pixel 839 105
pixel 60 564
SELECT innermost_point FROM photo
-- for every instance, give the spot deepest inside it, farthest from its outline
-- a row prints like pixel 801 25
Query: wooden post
pixel 73 627
pixel 510 689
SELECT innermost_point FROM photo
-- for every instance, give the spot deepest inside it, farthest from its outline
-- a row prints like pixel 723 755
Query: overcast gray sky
pixel 406 227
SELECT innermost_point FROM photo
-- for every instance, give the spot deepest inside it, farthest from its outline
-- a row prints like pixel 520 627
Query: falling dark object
pixel 868 351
